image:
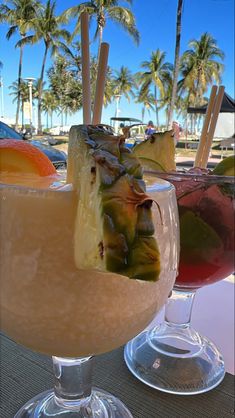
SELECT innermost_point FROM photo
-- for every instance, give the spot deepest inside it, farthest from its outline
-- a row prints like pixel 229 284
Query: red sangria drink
pixel 179 360
pixel 206 213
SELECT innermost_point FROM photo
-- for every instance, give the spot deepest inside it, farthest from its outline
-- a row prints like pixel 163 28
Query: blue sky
pixel 156 23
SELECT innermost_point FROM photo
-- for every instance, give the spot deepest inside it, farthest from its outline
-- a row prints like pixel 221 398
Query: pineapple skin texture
pixel 113 228
pixel 159 148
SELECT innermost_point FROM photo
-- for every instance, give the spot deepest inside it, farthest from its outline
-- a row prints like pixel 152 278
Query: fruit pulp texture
pixel 206 213
pixel 47 303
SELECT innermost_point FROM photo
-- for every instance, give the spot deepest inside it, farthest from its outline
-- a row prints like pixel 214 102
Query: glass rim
pixel 166 175
pixel 191 176
pixel 31 189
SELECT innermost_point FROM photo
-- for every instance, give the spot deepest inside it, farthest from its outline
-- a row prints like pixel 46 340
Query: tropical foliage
pixel 154 87
pixel 23 93
pixel 156 72
pixel 124 83
pixel 104 10
pixel 49 105
pixel 19 15
pixel 48 28
pixel 65 86
pixel 200 68
pixel 147 101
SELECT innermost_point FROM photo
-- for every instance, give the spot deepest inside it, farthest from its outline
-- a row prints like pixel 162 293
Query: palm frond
pixel 124 17
pixel 75 11
pixel 62 33
pixel 27 40
pixel 4 13
pixel 11 31
pixel 96 33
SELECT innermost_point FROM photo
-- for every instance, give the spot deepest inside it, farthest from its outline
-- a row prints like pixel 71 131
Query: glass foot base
pixel 101 405
pixel 174 363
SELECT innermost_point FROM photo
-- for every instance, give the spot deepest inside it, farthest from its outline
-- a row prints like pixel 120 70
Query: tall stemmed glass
pixel 173 357
pixel 50 306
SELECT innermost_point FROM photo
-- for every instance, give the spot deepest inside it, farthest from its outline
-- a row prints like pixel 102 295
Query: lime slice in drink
pixel 226 167
pixel 198 240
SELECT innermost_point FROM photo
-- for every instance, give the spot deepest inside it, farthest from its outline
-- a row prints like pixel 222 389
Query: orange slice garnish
pixel 21 157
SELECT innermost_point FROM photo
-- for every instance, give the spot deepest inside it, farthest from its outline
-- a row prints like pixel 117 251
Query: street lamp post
pixel 30 85
pixel 117 98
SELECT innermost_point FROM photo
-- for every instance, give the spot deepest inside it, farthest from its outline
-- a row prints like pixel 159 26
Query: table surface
pixel 25 374
pixel 213 317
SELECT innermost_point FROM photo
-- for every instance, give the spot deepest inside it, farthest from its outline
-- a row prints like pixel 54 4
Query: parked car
pixel 58 158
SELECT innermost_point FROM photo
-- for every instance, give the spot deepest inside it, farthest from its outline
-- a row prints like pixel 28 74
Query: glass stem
pixel 179 308
pixel 73 379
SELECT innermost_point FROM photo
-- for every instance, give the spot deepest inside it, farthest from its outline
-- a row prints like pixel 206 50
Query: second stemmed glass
pixel 173 357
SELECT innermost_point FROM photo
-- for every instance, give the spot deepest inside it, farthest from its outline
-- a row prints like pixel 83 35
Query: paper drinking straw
pixel 210 135
pixel 100 83
pixel 86 88
pixel 203 138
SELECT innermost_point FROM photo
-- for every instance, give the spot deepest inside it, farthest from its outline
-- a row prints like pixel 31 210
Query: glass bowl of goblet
pixel 52 307
pixel 173 357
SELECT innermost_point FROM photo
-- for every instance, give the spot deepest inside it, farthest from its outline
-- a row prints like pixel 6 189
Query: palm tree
pixel 65 84
pixel 47 27
pixel 176 63
pixel 49 105
pixel 73 56
pixel 156 74
pixel 148 102
pixel 124 83
pixel 18 14
pixel 72 100
pixel 200 67
pixel 103 10
pixel 23 91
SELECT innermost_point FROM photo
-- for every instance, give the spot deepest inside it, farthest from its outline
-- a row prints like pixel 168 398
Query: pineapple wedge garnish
pixel 157 152
pixel 114 230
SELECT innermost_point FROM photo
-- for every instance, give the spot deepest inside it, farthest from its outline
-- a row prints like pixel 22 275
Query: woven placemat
pixel 24 374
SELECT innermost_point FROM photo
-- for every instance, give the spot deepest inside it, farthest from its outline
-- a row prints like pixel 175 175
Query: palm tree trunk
pixel 177 62
pixel 19 83
pixel 167 117
pixel 51 119
pixel 199 122
pixel 197 88
pixel 100 41
pixel 143 112
pixel 22 116
pixel 47 120
pixel 156 108
pixel 101 24
pixel 194 124
pixel 191 124
pixel 40 84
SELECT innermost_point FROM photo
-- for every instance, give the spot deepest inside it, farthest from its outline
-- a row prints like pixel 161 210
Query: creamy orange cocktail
pixel 50 304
